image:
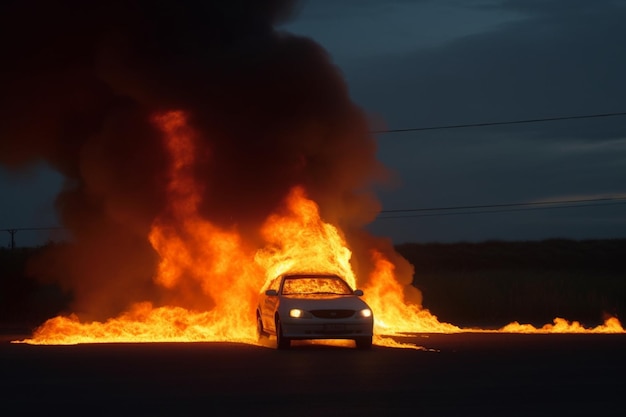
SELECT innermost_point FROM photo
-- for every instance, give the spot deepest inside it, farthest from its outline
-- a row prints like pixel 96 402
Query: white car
pixel 313 306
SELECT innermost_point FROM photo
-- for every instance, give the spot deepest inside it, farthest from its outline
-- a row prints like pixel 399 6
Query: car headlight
pixel 366 313
pixel 297 313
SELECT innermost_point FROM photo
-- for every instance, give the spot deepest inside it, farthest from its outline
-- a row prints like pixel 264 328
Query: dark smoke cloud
pixel 81 80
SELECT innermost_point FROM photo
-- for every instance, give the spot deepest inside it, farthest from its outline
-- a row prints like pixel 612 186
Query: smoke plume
pixel 81 81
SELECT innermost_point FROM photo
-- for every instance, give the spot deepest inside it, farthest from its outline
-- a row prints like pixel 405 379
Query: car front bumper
pixel 309 329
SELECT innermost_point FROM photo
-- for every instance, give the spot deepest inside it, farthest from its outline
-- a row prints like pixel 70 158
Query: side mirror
pixel 271 292
pixel 358 293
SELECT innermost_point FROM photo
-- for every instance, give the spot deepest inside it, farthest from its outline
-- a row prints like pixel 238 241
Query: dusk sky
pixel 424 63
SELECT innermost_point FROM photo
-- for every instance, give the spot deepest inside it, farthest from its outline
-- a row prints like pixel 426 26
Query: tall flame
pixel 299 241
pixel 220 275
pixel 193 249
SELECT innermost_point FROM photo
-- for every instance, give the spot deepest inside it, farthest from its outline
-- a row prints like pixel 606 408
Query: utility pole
pixel 12 232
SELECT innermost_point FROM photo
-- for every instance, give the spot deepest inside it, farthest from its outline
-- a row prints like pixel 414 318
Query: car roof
pixel 311 275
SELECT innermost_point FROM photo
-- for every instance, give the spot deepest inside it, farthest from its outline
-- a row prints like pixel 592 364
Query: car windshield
pixel 303 285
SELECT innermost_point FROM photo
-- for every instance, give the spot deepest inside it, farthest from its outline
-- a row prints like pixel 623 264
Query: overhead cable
pixel 502 123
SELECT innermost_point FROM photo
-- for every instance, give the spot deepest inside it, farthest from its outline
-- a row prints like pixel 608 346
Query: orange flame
pixel 216 272
pixel 393 313
pixel 299 241
pixel 611 325
pixel 191 248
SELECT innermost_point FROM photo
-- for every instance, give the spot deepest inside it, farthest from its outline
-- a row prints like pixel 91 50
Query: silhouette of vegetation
pixel 24 301
pixel 493 283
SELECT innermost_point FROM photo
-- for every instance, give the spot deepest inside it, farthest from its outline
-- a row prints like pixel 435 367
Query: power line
pixel 507 210
pixel 509 122
pixel 536 203
pixel 498 211
pixel 14 230
pixel 18 229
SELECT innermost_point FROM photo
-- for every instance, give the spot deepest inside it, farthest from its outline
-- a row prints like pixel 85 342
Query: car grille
pixel 332 314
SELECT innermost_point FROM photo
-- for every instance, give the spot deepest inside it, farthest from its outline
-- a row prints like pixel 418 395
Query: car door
pixel 269 306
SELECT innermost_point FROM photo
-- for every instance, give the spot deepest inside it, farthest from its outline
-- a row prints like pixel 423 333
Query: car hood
pixel 324 302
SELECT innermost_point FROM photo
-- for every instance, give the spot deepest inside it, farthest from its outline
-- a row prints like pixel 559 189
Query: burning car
pixel 313 306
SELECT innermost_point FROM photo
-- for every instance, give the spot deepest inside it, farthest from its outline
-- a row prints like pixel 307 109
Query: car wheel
pixel 260 331
pixel 281 341
pixel 363 343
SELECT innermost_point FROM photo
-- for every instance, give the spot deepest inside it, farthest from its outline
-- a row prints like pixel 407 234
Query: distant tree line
pixel 24 302
pixel 495 282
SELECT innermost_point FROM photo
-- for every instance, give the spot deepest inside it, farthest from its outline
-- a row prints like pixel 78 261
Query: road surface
pixel 461 375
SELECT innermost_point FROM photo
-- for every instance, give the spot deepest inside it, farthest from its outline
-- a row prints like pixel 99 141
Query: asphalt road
pixel 466 375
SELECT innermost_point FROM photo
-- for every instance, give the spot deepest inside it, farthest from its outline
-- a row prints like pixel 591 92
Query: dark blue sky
pixel 430 63
pixel 427 63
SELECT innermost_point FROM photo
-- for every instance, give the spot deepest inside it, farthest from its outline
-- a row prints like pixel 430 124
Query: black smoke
pixel 81 81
